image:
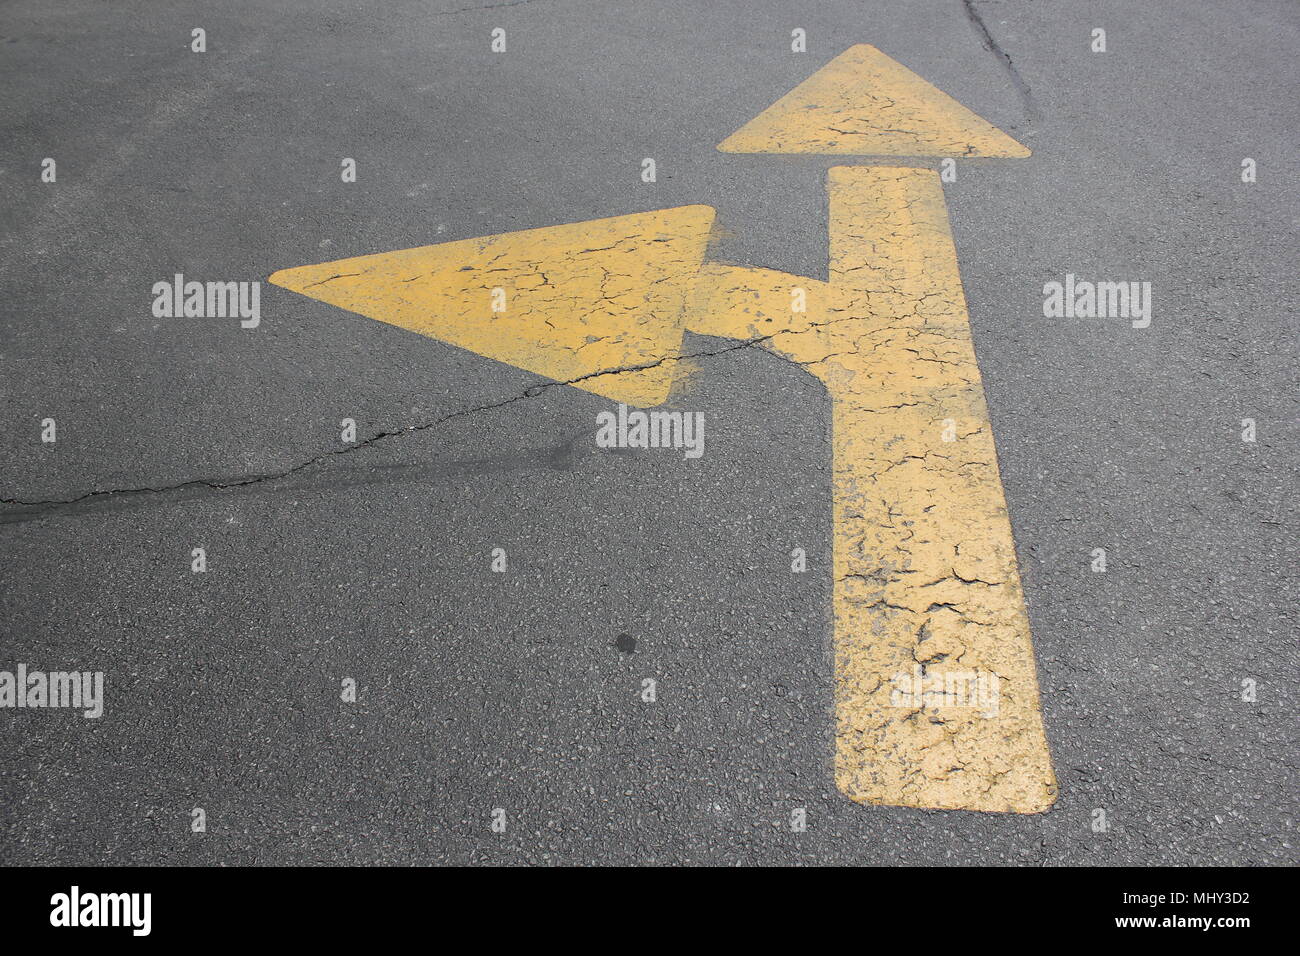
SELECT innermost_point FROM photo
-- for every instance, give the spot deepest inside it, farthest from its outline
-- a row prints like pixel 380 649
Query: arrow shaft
pixel 936 695
pixel 934 662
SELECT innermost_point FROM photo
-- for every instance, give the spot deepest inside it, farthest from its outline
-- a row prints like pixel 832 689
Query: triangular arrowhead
pixel 568 302
pixel 863 103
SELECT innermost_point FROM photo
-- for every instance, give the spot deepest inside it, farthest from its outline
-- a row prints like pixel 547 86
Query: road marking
pixel 575 300
pixel 925 565
pixel 928 600
pixel 936 695
pixel 863 103
pixel 926 581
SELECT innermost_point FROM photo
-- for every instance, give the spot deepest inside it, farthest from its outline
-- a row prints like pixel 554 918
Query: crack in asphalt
pixel 486 6
pixel 990 44
pixel 23 510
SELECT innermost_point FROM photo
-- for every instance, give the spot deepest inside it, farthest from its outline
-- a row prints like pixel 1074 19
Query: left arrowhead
pixel 575 303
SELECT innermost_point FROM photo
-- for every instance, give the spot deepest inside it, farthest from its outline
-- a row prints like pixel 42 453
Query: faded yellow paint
pixel 926 579
pixel 598 304
pixel 863 103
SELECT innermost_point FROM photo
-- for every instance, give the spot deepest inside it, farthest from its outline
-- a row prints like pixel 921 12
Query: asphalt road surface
pixel 1167 681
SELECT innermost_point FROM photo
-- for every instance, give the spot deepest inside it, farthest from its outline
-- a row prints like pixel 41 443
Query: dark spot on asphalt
pixel 626 643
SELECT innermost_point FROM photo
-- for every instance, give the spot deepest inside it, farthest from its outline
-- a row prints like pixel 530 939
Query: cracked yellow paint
pixel 863 103
pixel 575 303
pixel 927 590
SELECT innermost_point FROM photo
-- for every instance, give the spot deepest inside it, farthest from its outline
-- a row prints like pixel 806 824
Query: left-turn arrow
pixel 575 303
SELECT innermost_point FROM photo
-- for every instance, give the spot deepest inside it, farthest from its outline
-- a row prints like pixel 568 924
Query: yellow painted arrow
pixel 568 302
pixel 936 694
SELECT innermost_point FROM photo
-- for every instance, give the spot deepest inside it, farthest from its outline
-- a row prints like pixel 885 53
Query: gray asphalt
pixel 521 690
